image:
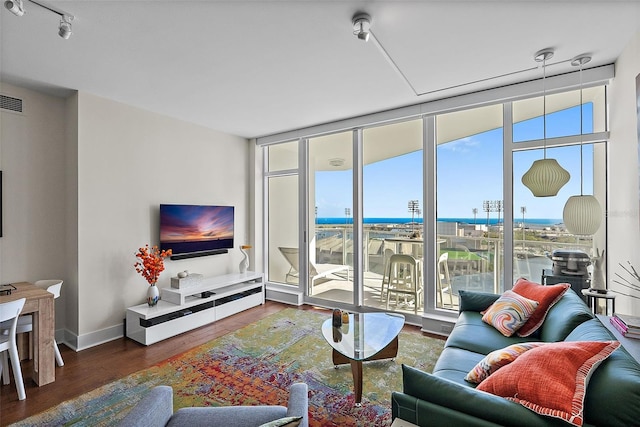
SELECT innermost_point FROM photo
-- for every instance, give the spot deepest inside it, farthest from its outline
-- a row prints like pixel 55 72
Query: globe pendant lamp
pixel 545 177
pixel 582 214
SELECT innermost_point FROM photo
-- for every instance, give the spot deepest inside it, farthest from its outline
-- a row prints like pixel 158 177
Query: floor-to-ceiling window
pixel 469 200
pixel 486 228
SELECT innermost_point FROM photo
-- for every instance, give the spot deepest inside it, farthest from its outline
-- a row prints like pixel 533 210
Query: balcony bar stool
pixel 25 323
pixel 404 278
pixel 388 253
pixel 444 278
pixel 9 312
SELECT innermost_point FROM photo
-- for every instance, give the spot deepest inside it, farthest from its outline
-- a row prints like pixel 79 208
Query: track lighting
pixel 361 25
pixel 64 29
pixel 15 6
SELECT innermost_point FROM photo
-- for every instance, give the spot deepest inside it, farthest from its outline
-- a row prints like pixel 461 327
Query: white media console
pixel 180 310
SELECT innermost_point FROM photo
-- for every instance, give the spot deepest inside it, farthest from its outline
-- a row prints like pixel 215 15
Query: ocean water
pixel 492 221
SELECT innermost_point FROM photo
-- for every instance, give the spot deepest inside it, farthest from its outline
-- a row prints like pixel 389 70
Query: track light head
pixel 361 25
pixel 64 30
pixel 15 6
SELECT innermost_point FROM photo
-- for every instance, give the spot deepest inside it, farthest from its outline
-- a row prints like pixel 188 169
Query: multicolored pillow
pixel 509 312
pixel 497 359
pixel 551 380
pixel 546 296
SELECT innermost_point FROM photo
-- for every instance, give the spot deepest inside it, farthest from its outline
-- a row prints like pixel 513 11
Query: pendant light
pixel 582 214
pixel 545 177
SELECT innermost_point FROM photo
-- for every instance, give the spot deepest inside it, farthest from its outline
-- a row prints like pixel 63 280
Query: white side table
pixel 593 297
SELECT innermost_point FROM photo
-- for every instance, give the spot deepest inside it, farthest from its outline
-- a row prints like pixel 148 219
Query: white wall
pixel 32 158
pixel 83 178
pixel 130 161
pixel 624 228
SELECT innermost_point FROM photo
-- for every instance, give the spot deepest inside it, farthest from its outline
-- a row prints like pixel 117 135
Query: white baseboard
pixel 92 339
pixel 293 297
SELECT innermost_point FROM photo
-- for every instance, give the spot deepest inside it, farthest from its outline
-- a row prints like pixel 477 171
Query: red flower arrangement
pixel 151 262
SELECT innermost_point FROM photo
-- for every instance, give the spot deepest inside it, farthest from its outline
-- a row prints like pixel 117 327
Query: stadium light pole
pixel 523 209
pixel 414 206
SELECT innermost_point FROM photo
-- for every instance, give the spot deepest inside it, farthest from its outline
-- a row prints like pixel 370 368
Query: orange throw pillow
pixel 551 380
pixel 546 296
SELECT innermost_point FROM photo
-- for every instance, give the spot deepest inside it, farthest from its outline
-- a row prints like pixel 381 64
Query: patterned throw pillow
pixel 284 422
pixel 546 296
pixel 551 380
pixel 509 312
pixel 497 359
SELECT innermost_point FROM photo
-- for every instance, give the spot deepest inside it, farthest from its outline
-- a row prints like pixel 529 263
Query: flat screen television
pixel 196 230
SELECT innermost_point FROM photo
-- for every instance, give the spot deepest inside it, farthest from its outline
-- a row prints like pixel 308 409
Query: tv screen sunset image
pixel 194 228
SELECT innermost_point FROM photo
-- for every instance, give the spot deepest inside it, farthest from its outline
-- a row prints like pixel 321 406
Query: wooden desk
pixel 40 304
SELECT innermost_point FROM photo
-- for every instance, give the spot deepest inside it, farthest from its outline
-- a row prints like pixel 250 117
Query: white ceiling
pixel 253 68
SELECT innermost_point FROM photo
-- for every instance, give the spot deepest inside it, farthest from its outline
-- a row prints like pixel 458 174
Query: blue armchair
pixel 156 409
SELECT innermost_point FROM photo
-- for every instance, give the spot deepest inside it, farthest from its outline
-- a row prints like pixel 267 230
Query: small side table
pixel 593 297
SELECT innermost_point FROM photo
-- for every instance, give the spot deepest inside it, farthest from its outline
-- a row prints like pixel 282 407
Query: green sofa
pixel 444 398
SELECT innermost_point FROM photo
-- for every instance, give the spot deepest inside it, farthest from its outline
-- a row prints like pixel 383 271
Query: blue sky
pixel 469 172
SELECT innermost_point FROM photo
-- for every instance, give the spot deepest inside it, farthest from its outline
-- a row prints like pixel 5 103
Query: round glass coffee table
pixel 367 336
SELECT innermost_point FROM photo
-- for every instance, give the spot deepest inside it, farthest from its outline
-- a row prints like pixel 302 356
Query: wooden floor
pixel 89 369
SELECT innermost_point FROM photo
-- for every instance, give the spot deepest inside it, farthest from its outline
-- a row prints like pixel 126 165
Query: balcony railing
pixel 475 262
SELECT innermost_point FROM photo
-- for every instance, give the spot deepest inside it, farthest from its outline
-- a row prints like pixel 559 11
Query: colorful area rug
pixel 255 366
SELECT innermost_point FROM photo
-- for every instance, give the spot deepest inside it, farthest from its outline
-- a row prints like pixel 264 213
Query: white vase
pixel 244 264
pixel 153 295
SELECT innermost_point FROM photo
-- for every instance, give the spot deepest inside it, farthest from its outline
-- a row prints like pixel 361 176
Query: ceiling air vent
pixel 10 104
